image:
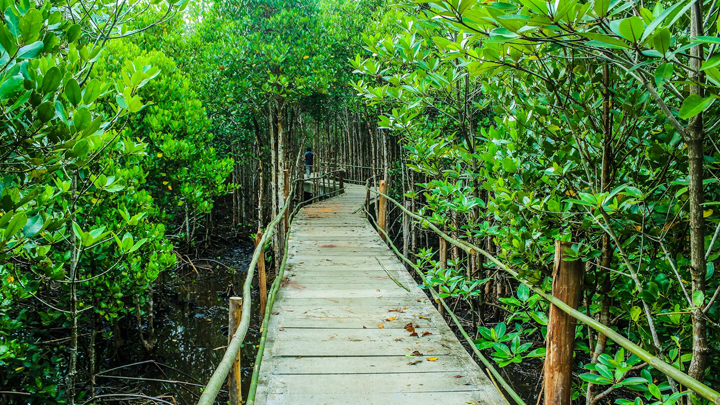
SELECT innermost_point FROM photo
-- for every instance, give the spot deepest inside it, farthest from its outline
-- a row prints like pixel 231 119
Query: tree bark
pixel 694 141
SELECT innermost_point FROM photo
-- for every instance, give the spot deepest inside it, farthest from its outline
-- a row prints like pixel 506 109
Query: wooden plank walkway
pixel 339 330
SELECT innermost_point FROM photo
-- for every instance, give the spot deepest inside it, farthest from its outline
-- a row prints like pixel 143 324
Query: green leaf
pixel 30 25
pixel 73 33
pixel 92 91
pixel 706 40
pixel 121 102
pixel 711 63
pixel 539 352
pixel 52 80
pixel 634 381
pixel 632 28
pixel 539 317
pixel 655 391
pixel 79 234
pixel 17 223
pixel 7 40
pixel 539 6
pixel 656 22
pixel 33 226
pixel 601 7
pixel 661 41
pixel 30 51
pixel 610 42
pixel 698 298
pixel 523 292
pixel 10 86
pixel 595 379
pixel 46 111
pixel 509 165
pixel 663 73
pixel 72 92
pixel 694 105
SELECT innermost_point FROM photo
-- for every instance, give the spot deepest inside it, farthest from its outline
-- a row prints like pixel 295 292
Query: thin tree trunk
pixel 695 190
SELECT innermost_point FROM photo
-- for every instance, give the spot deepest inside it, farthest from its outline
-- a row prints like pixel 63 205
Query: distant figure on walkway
pixel 309 157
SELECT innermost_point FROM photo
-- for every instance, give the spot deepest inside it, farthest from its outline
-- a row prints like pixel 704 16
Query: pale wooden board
pixel 339 347
pixel 338 275
pixel 341 262
pixel 368 364
pixel 329 338
pixel 318 292
pixel 329 319
pixel 385 302
pixel 369 398
pixel 314 277
pixel 376 383
pixel 338 283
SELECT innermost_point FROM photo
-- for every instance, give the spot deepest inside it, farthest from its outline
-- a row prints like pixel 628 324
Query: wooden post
pixel 367 199
pixel 382 209
pixel 443 253
pixel 406 230
pixel 234 386
pixel 567 286
pixel 262 277
pixel 286 193
pixel 342 181
pixel 442 248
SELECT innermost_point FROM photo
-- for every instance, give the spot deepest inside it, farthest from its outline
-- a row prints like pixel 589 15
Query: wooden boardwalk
pixel 341 330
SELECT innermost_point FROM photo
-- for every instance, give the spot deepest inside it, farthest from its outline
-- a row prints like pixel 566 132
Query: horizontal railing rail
pixel 668 370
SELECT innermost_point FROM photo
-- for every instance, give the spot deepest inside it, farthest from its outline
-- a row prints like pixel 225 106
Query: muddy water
pixel 191 328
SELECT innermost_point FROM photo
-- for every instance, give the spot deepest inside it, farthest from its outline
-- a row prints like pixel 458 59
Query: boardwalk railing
pixel 660 365
pixel 280 223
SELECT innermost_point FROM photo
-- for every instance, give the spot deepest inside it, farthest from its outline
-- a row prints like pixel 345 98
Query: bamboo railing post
pixel 406 230
pixel 262 276
pixel 382 209
pixel 367 199
pixel 286 193
pixel 567 286
pixel 234 385
pixel 342 181
pixel 442 250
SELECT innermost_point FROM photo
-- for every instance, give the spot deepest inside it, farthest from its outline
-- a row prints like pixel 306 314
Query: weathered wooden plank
pixel 337 277
pixel 369 398
pixel 368 364
pixel 376 383
pixel 357 342
pixel 342 262
pixel 353 317
pixel 381 280
pixel 296 292
pixel 346 301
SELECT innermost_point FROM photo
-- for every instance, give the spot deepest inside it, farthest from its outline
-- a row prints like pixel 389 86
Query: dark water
pixel 191 329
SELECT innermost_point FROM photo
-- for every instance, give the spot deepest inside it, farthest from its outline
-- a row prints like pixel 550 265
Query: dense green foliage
pixel 590 122
pixel 103 146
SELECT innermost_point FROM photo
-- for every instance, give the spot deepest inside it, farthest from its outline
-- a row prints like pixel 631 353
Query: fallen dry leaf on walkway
pixel 432 358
